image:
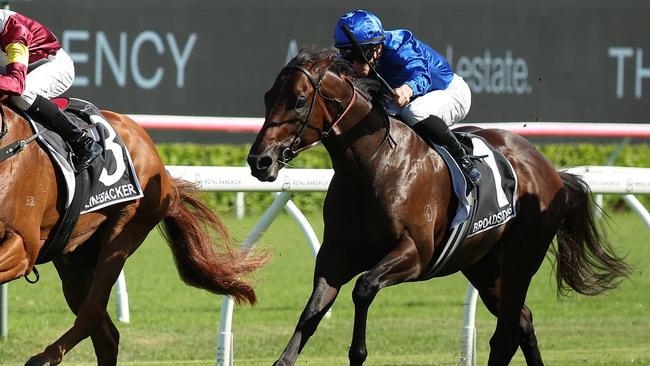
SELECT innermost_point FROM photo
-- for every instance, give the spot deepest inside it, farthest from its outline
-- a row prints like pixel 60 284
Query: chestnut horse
pixel 102 240
pixel 387 209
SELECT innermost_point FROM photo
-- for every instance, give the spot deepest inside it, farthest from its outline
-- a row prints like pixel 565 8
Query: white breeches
pixel 48 80
pixel 451 105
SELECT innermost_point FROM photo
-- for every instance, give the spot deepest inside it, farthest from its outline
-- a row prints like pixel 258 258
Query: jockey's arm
pixel 13 81
pixel 15 39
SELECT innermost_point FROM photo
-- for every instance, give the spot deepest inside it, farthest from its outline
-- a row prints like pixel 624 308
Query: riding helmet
pixel 365 26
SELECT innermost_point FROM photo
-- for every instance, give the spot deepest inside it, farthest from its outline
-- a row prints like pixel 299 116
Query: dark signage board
pixel 552 60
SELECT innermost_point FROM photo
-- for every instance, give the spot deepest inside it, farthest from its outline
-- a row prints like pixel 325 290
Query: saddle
pixel 111 178
pixel 489 205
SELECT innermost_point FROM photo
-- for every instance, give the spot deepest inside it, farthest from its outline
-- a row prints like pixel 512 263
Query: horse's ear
pixel 321 65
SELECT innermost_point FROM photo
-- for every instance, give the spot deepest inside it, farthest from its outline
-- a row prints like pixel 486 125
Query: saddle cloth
pixel 110 180
pixel 489 205
pixel 117 181
pixel 495 195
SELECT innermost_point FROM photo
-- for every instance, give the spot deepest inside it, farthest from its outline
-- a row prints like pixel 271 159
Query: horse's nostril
pixel 264 162
pixel 259 163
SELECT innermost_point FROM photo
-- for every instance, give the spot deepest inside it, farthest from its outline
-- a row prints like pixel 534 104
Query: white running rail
pixel 601 179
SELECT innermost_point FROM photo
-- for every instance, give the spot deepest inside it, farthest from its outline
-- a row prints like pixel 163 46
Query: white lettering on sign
pixel 492 75
pixel 123 59
pixel 620 54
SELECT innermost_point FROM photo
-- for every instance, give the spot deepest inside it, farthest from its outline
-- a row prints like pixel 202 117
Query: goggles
pixel 351 54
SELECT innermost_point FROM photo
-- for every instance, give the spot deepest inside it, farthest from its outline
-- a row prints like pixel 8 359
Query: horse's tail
pixel 585 260
pixel 187 227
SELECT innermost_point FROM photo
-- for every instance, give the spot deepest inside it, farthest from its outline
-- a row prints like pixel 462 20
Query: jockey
pixel 37 69
pixel 429 96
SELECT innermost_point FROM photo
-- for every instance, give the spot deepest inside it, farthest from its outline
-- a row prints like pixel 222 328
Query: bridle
pixel 329 126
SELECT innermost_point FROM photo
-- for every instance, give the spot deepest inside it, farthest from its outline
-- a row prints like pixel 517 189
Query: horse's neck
pixel 12 125
pixel 372 144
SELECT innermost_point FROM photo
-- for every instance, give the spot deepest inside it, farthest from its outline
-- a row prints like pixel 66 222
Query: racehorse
pixel 102 240
pixel 387 209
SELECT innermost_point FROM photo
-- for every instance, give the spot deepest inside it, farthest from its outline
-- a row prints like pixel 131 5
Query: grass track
pixel 410 324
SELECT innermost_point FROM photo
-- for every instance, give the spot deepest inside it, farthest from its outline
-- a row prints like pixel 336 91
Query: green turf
pixel 409 324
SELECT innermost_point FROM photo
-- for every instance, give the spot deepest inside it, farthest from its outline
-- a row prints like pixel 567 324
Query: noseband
pixel 293 150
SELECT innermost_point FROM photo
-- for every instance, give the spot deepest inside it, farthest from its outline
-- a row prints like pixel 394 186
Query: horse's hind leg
pixel 76 278
pixel 397 266
pixel 116 244
pixel 528 342
pixel 485 276
pixel 520 253
pixel 80 288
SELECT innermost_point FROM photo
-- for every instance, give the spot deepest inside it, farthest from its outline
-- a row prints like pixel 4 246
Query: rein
pixel 291 151
pixel 387 137
pixel 16 146
pixel 4 130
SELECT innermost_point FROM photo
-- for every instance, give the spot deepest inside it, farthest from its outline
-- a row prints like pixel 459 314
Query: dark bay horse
pixel 103 240
pixel 388 205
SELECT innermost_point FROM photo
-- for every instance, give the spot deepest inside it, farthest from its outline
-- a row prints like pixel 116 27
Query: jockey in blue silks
pixel 429 96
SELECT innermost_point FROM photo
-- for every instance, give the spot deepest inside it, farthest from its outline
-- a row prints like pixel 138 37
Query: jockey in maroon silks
pixel 36 69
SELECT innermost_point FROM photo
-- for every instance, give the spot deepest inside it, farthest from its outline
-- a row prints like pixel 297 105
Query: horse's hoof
pixel 37 360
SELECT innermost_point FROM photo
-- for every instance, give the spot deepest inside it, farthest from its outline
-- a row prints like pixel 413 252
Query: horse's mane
pixel 313 54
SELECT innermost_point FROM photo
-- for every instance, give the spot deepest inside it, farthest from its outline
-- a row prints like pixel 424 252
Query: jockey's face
pixel 372 53
pixel 361 67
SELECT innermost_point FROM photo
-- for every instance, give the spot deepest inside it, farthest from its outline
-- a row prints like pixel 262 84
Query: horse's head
pixel 308 102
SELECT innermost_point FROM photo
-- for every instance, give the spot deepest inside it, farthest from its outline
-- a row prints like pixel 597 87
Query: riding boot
pixel 84 148
pixel 437 130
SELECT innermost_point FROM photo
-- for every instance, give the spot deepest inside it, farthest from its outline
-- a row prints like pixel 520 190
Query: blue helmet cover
pixel 365 26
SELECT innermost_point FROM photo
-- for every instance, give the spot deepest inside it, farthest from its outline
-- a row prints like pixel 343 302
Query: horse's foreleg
pixel 399 265
pixel 329 275
pixel 321 299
